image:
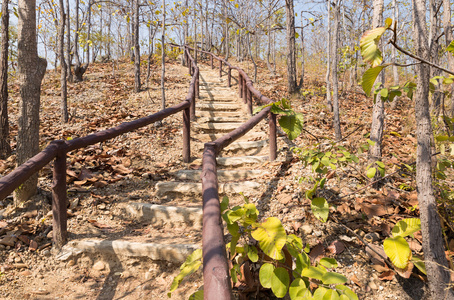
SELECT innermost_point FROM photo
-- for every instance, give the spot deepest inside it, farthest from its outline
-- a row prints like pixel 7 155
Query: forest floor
pixel 126 168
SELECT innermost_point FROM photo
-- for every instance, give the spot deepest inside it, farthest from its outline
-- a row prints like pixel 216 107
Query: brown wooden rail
pixel 216 275
pixel 58 150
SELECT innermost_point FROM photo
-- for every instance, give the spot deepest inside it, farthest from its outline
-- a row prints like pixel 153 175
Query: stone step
pixel 192 188
pixel 238 146
pixel 217 127
pixel 209 137
pixel 162 214
pixel 223 175
pixel 212 113
pixel 222 119
pixel 237 161
pixel 175 253
pixel 210 98
pixel 218 107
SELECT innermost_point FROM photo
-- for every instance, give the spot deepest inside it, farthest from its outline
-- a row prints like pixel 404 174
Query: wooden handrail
pixel 58 150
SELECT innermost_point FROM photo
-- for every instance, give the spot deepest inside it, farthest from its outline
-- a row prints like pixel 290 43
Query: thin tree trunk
pixel 302 54
pixel 448 38
pixel 5 148
pixel 291 53
pixel 226 29
pixel 378 112
pixel 61 47
pixel 394 56
pixel 31 69
pixel 136 48
pixel 68 43
pixel 163 54
pixel 337 128
pixel 434 255
pixel 252 58
pixel 328 64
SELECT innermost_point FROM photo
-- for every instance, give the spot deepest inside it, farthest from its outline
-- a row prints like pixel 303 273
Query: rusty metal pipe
pixel 272 136
pixel 186 135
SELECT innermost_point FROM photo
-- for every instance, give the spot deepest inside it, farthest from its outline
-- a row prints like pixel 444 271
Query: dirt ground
pixel 105 176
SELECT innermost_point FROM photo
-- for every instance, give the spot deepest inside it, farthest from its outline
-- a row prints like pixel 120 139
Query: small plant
pixel 398 250
pixel 285 266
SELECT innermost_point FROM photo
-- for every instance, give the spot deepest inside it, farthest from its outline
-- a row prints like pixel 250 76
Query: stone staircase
pixel 240 169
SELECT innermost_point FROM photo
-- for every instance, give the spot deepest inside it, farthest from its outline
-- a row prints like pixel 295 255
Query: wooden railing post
pixel 272 137
pixel 197 85
pixel 59 202
pixel 186 135
pixel 192 107
pixel 240 85
pixel 229 77
pixel 245 89
pixel 212 66
pixel 249 101
pixel 220 68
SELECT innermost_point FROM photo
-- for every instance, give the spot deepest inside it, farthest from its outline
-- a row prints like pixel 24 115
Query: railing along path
pixel 58 150
pixel 216 275
pixel 215 266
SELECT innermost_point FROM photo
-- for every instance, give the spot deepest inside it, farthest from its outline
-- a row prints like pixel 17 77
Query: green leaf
pixel 271 237
pixel 310 193
pixel 369 46
pixel 369 78
pixel 333 278
pixel 346 291
pixel 302 262
pixel 224 203
pixel 384 93
pixel 320 208
pixel 329 263
pixel 192 264
pixel 197 295
pixel 450 48
pixel 265 274
pixel 292 125
pixel 419 263
pixel 371 172
pixel 331 295
pixel 298 289
pixel 252 253
pixel 279 282
pixel 406 227
pixel 442 138
pixel 320 293
pixel 313 272
pixel 398 251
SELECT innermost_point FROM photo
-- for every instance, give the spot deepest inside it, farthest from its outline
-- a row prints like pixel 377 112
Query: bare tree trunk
pixel 337 128
pixel 302 54
pixel 291 55
pixel 226 34
pixel 68 43
pixel 328 64
pixel 136 48
pixel 268 52
pixel 79 69
pixel 31 69
pixel 5 148
pixel 378 112
pixel 434 255
pixel 163 54
pixel 448 38
pixel 61 52
pixel 394 56
pixel 250 55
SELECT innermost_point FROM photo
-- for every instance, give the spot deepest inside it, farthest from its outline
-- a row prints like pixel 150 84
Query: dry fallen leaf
pixel 387 275
pixel 336 247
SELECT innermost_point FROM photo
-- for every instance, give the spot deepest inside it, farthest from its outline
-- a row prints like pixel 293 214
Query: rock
pixel 99 266
pixel 372 285
pixel 45 252
pixel 20 266
pixel 318 233
pixel 25 273
pixel 17 259
pixel 306 229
